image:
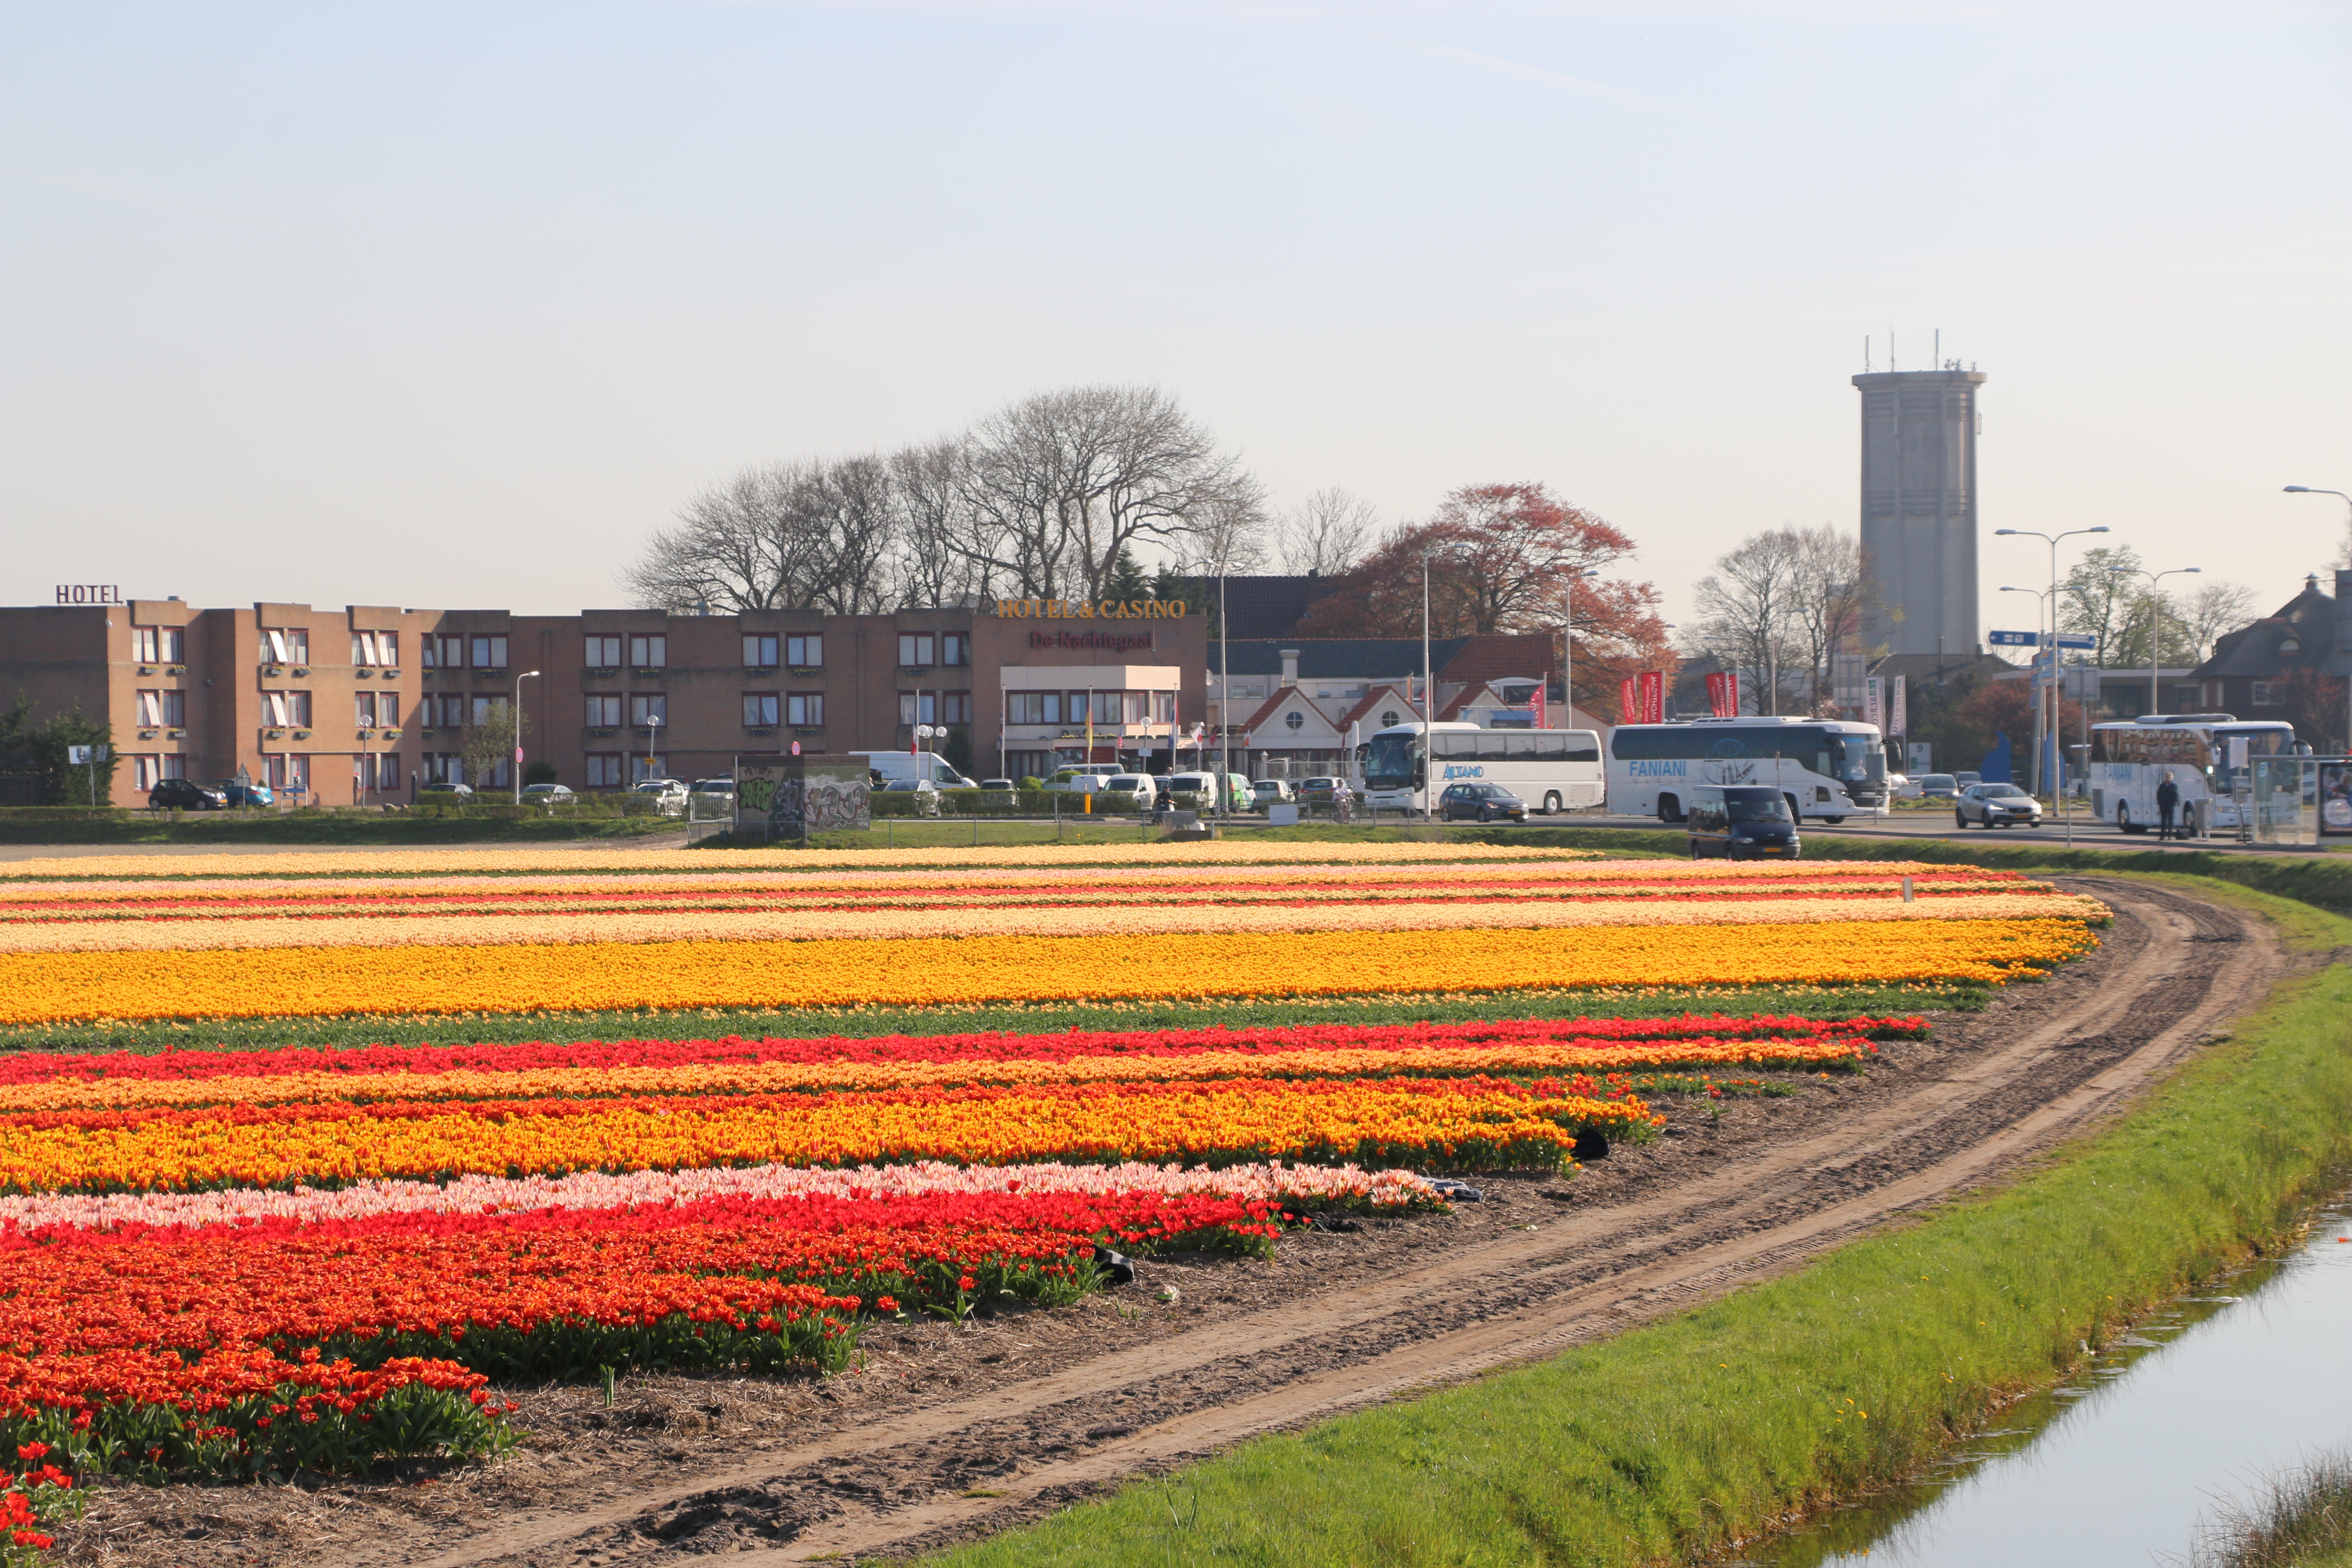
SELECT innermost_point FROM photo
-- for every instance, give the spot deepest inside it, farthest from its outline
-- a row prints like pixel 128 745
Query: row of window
pixel 159 644
pixel 450 650
pixel 1099 706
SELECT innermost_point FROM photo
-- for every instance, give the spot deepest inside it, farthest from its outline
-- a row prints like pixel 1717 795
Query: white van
pixel 1143 786
pixel 929 767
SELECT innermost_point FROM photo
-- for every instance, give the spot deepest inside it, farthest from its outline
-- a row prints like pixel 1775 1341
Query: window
pixel 2270 693
pixel 759 708
pixel 918 707
pixel 488 706
pixel 1295 719
pixel 444 767
pixel 175 709
pixel 1034 707
pixel 1389 718
pixel 145 771
pixel 955 648
pixel 290 774
pixel 759 653
pixel 387 651
pixel 805 707
pixel 804 653
pixel 603 770
pixel 641 767
pixel 298 710
pixel 146 647
pixel 363 709
pixel 285 645
pixel 387 709
pixel 603 652
pixel 1163 707
pixel 175 766
pixel 445 711
pixel 363 650
pixel 915 649
pixel 604 710
pixel 648 708
pixel 1135 708
pixel 273 709
pixel 150 709
pixel 444 650
pixel 648 652
pixel 1079 706
pixel 489 653
pixel 955 708
pixel 176 651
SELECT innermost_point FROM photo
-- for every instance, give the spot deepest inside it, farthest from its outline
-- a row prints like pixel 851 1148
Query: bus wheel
pixel 1551 804
pixel 1833 821
pixel 1669 809
pixel 2124 821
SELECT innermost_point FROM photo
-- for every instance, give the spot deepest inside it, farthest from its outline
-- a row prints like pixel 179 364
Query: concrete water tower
pixel 1919 507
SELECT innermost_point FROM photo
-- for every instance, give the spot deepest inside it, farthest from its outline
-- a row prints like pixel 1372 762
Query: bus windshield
pixel 1390 762
pixel 1859 757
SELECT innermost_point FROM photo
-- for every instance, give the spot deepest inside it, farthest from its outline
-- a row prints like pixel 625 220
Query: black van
pixel 1741 822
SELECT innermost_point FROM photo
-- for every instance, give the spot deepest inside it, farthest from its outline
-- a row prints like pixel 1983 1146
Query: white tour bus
pixel 2130 758
pixel 1551 770
pixel 1828 768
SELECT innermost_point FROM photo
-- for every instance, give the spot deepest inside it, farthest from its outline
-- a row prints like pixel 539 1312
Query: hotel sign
pixel 1113 641
pixel 1089 610
pixel 89 593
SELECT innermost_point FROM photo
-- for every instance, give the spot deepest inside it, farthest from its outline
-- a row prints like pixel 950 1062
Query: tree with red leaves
pixel 1506 558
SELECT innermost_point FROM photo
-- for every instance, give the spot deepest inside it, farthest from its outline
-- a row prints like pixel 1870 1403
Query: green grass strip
pixel 1619 1001
pixel 1674 1439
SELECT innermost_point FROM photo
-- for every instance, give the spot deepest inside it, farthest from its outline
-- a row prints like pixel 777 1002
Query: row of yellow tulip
pixel 45 987
pixel 1423 1124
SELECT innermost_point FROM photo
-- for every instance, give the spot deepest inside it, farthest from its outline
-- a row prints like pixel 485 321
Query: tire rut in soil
pixel 2038 1067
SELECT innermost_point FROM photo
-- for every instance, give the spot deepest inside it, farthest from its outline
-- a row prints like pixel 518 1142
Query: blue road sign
pixel 2013 640
pixel 2076 639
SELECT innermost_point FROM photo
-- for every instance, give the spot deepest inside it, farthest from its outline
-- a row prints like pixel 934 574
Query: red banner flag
pixel 1723 693
pixel 1536 707
pixel 1629 701
pixel 1653 697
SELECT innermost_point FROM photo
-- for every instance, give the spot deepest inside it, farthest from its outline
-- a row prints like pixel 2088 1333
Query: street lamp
pixel 1568 644
pixel 653 722
pixel 2047 636
pixel 2155 621
pixel 526 675
pixel 2045 611
pixel 2310 491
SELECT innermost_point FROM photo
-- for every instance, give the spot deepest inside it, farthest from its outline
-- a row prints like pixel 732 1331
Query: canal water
pixel 2116 1467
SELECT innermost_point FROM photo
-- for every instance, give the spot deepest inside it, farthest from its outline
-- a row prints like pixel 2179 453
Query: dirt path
pixel 1072 1402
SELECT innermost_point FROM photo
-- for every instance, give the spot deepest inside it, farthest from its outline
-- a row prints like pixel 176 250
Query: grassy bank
pixel 1630 1002
pixel 1677 1439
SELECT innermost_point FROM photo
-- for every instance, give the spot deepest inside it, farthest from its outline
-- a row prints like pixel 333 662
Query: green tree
pixel 40 750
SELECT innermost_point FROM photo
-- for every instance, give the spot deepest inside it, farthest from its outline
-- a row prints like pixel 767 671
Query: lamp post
pixel 2048 637
pixel 1568 644
pixel 653 722
pixel 526 675
pixel 2347 500
pixel 2155 621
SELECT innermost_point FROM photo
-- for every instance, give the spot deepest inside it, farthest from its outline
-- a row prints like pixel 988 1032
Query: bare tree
pixel 1327 533
pixel 489 739
pixel 1749 605
pixel 816 535
pixel 944 547
pixel 1066 481
pixel 1832 594
pixel 2211 611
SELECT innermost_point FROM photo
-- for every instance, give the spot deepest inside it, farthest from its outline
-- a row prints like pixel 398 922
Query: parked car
pixel 1740 822
pixel 1898 786
pixel 668 794
pixel 1995 806
pixel 1938 786
pixel 716 794
pixel 1481 801
pixel 1964 780
pixel 1002 786
pixel 1270 792
pixel 548 795
pixel 1071 781
pixel 247 794
pixel 186 795
pixel 926 793
pixel 449 787
pixel 1143 786
pixel 1327 790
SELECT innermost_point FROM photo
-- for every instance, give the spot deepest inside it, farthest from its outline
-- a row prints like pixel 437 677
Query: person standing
pixel 2167 800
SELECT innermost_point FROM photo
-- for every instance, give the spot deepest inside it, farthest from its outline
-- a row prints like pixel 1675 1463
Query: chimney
pixel 1290 667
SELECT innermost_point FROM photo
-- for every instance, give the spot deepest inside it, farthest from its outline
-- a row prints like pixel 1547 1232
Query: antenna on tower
pixel 1938 364
pixel 1866 354
pixel 1890 347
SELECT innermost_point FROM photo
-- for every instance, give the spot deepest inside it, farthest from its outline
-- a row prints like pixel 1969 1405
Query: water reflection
pixel 2116 1467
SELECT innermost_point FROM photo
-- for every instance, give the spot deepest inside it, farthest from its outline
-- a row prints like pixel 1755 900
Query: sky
pixel 452 304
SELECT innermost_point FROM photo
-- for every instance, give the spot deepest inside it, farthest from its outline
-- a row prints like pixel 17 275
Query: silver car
pixel 1995 806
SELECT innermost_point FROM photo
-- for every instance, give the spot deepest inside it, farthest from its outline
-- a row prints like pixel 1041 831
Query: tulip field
pixel 229 1260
